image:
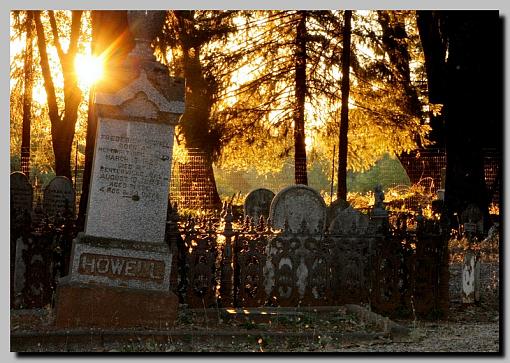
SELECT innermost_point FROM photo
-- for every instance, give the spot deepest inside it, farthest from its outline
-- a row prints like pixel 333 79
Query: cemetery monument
pixel 120 265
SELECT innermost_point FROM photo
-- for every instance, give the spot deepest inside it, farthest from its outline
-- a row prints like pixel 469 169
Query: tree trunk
pixel 300 174
pixel 194 124
pixel 62 127
pixel 344 116
pixel 196 188
pixel 471 88
pixel 27 96
pixel 470 96
pixel 434 48
pixel 395 44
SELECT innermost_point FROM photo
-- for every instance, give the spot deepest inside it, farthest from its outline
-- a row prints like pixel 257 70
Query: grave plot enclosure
pixel 356 258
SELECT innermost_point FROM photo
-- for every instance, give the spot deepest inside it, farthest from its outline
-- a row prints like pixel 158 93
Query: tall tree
pixel 278 75
pixel 63 122
pixel 189 33
pixel 27 94
pixel 300 174
pixel 380 120
pixel 344 116
pixel 470 94
pixel 395 42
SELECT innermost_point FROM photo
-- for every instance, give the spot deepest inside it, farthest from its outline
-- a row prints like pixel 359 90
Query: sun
pixel 89 69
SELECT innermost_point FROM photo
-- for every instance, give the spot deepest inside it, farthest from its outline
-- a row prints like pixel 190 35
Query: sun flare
pixel 89 69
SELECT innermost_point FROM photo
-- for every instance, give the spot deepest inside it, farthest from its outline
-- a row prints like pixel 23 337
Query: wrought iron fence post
pixel 227 288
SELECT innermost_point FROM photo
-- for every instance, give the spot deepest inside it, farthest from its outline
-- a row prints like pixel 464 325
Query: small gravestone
pixel 58 195
pixel 121 265
pixel 349 221
pixel 37 215
pixel 32 274
pixel 335 207
pixel 440 192
pixel 21 193
pixel 295 204
pixel 471 278
pixel 472 220
pixel 257 203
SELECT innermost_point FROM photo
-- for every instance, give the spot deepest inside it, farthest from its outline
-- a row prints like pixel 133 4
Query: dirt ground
pixel 468 329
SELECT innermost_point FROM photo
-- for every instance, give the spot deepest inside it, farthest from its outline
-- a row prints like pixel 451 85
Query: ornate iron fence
pixel 396 271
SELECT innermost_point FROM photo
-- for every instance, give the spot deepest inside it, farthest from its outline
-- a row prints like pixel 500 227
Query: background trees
pixel 63 121
pixel 187 36
pixel 468 82
pixel 42 102
pixel 264 87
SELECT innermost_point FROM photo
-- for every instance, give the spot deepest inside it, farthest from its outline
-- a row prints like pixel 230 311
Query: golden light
pixel 89 69
pixel 309 142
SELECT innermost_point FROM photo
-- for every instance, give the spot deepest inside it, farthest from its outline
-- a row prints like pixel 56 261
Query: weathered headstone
pixel 21 193
pixel 58 194
pixel 32 273
pixel 471 278
pixel 121 265
pixel 472 220
pixel 440 192
pixel 295 204
pixel 257 203
pixel 335 207
pixel 350 222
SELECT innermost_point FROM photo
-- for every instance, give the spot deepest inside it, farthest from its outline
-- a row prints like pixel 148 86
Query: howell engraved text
pixel 121 267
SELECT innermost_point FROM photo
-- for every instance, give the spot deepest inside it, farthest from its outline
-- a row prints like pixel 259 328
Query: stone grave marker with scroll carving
pixel 295 204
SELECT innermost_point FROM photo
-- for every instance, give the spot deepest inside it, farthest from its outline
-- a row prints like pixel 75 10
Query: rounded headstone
pixel 57 193
pixel 335 207
pixel 21 192
pixel 295 204
pixel 349 221
pixel 257 203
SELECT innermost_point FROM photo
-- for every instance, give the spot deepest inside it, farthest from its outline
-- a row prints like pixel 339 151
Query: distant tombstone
pixel 440 192
pixel 37 214
pixel 335 207
pixel 349 221
pixel 471 278
pixel 257 203
pixel 57 194
pixel 21 192
pixel 472 219
pixel 295 204
pixel 32 274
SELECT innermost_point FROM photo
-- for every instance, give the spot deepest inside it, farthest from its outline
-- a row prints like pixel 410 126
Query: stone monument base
pixel 115 283
pixel 80 305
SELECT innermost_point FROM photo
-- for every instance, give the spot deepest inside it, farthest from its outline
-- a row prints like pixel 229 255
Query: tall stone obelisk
pixel 120 266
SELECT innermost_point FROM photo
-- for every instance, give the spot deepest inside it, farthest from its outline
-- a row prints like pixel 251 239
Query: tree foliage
pixel 240 70
pixel 381 119
pixel 49 98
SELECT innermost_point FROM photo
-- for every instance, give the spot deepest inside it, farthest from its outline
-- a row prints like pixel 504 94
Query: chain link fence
pixel 196 185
